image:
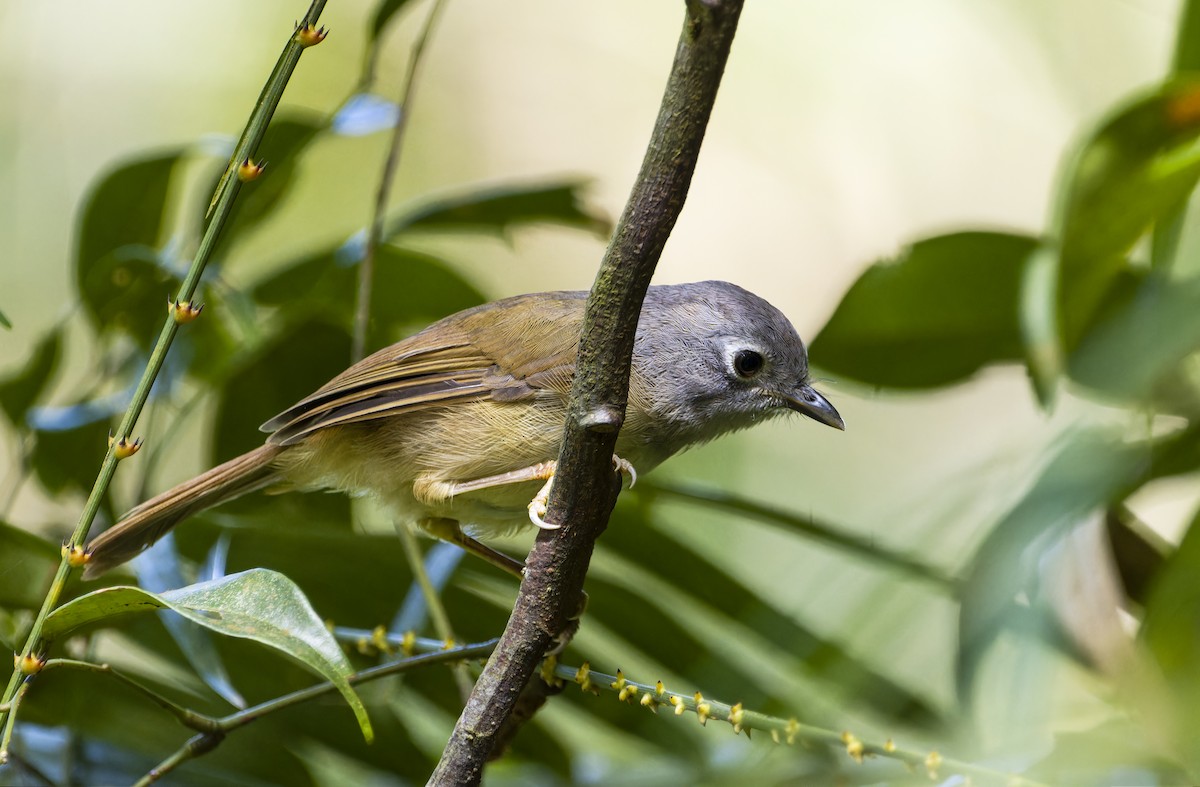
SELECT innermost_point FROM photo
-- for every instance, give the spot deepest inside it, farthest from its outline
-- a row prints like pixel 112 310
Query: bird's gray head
pixel 718 358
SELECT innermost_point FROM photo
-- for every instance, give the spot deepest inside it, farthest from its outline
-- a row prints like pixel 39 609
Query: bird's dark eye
pixel 747 363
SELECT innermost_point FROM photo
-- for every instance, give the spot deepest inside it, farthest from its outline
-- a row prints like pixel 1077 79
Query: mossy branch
pixel 585 487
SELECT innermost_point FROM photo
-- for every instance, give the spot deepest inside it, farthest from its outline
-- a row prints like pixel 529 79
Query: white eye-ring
pixel 747 363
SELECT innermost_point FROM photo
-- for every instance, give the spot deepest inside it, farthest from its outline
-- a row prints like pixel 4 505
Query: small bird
pixel 460 424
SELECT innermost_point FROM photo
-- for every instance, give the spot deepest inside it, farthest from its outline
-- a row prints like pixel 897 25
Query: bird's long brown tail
pixel 153 519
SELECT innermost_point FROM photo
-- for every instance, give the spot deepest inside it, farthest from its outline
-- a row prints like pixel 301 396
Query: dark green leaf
pixel 22 389
pixel 4 321
pixel 129 294
pixel 410 290
pixel 117 245
pixel 285 369
pixel 68 460
pixel 934 317
pixel 502 209
pixel 1136 169
pixel 259 605
pixel 28 566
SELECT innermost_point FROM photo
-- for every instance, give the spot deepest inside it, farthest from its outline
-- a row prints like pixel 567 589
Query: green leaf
pixel 502 209
pixel 410 290
pixel 259 605
pixel 1091 470
pixel 1187 39
pixel 29 563
pixel 1127 355
pixel 1138 168
pixel 116 249
pixel 69 459
pixel 936 316
pixel 282 371
pixel 383 15
pixel 1173 638
pixel 19 391
pixel 4 321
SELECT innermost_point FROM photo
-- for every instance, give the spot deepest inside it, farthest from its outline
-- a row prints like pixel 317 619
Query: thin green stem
pixel 781 730
pixel 195 746
pixel 196 721
pixel 433 603
pixel 463 652
pixel 366 269
pixel 219 212
pixel 10 722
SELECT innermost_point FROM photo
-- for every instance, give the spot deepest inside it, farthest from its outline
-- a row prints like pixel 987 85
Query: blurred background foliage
pixel 996 560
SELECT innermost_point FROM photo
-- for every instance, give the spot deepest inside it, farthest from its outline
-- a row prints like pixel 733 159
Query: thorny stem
pixel 219 211
pixel 366 268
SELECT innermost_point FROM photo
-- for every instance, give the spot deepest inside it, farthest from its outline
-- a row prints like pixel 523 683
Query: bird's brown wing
pixel 494 352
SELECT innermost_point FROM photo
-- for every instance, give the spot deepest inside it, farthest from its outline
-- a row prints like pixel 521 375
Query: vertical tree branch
pixel 585 486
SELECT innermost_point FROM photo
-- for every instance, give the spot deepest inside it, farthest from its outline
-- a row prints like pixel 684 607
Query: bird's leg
pixel 540 502
pixel 451 532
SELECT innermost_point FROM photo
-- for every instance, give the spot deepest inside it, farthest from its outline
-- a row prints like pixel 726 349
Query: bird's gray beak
pixel 808 402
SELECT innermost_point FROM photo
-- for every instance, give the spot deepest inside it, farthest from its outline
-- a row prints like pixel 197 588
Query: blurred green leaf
pixel 1172 635
pixel 295 362
pixel 727 637
pixel 69 459
pixel 19 391
pixel 1039 324
pixel 1187 39
pixel 4 321
pixel 821 532
pixel 937 315
pixel 260 605
pixel 129 294
pixel 116 257
pixel 1121 751
pixel 1136 169
pixel 411 290
pixel 383 15
pixel 29 563
pixel 502 209
pixel 1088 472
pixel 1126 355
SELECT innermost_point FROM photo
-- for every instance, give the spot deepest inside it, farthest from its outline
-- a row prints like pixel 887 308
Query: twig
pixel 585 486
pixel 219 211
pixel 188 718
pixel 781 730
pixel 366 268
pixel 433 603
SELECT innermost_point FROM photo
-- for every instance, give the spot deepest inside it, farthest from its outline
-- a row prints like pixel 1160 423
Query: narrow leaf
pixel 500 210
